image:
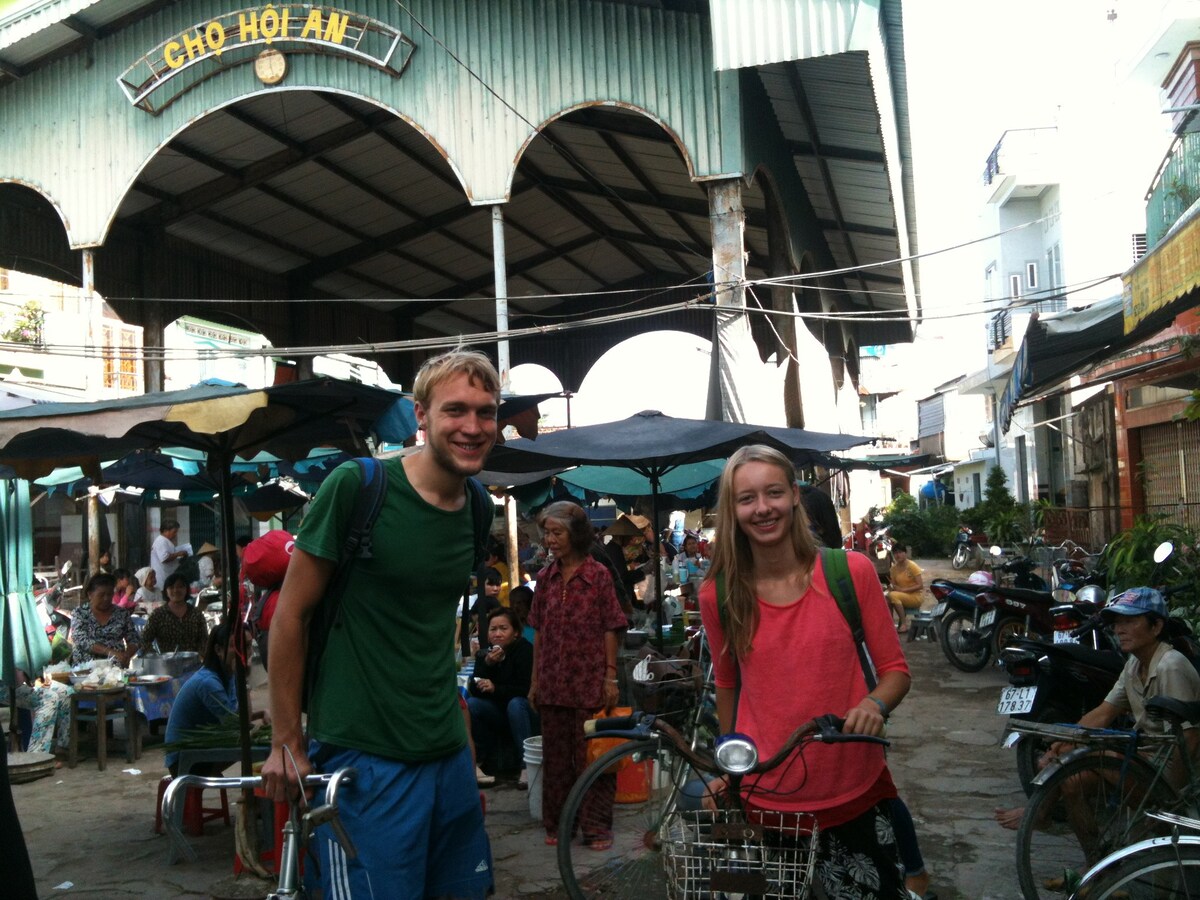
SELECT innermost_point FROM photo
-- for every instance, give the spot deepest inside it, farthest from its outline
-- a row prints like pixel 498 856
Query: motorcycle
pixel 956 616
pixel 55 621
pixel 1007 613
pixel 966 551
pixel 1053 682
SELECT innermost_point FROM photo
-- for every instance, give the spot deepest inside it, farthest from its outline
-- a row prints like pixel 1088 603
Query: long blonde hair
pixel 733 556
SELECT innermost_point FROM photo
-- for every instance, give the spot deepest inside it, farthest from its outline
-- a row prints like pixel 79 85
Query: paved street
pixel 95 829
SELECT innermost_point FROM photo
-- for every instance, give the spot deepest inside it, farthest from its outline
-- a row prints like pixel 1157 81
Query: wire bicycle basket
pixel 717 853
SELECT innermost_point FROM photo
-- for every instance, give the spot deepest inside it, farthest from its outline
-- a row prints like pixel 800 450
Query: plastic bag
pixel 598 746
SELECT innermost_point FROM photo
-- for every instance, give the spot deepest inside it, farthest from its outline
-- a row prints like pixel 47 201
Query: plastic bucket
pixel 533 772
pixel 633 782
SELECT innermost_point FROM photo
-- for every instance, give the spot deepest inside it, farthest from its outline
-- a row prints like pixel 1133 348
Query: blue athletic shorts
pixel 418 830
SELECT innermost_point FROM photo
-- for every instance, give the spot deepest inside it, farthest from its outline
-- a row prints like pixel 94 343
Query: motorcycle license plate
pixel 1065 637
pixel 1016 700
pixel 939 609
pixel 987 618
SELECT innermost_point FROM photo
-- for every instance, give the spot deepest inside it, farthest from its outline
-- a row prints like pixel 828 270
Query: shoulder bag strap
pixel 841 585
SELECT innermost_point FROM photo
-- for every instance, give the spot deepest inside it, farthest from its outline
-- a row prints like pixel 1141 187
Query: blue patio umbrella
pixel 23 643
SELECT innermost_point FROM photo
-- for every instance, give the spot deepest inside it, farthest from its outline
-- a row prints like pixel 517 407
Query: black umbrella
pixel 653 444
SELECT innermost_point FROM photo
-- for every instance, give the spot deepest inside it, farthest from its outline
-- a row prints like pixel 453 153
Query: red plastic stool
pixel 195 813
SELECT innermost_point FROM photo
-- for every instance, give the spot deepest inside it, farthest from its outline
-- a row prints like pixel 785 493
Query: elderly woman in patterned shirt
pixel 577 616
pixel 101 629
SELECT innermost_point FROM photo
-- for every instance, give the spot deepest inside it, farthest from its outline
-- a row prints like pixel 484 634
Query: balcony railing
pixel 1176 187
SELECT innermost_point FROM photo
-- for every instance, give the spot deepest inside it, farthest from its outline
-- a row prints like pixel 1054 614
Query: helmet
pixel 1091 593
pixel 982 578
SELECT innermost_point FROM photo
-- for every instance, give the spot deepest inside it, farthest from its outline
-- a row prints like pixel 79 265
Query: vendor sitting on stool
pixel 205 699
pixel 499 690
pixel 908 584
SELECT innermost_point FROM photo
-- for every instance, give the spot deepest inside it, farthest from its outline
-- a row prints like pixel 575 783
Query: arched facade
pixel 564 152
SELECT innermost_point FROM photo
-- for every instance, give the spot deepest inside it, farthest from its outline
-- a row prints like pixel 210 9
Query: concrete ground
pixel 94 829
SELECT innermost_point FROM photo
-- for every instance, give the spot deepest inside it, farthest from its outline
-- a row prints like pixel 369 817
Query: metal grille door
pixel 1171 471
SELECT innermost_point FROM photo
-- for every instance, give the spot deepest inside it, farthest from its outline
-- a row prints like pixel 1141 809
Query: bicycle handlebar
pixel 641 726
pixel 327 812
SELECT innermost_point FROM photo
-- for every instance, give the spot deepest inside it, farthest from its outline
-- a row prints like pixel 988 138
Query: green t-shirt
pixel 387 683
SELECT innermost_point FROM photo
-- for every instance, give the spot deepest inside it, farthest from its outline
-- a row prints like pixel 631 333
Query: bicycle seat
pixel 1169 707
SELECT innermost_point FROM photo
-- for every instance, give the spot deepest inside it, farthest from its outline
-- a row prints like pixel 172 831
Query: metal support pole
pixel 727 220
pixel 93 528
pixel 500 265
pixel 94 368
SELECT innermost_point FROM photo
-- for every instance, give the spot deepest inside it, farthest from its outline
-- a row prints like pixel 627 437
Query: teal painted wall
pixel 69 132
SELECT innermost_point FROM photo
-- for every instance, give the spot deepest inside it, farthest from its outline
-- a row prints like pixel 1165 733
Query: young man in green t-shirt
pixel 385 699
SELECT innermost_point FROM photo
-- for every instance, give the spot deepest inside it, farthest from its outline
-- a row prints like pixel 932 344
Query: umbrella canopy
pixel 653 444
pixel 223 422
pixel 287 421
pixel 23 643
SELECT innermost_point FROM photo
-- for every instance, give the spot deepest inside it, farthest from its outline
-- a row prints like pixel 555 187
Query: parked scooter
pixel 966 552
pixel 956 616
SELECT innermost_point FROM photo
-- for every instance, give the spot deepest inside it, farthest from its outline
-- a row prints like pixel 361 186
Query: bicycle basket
pixel 719 853
pixel 666 687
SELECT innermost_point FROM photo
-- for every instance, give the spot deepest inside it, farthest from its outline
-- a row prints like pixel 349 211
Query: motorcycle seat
pixel 1026 594
pixel 1169 707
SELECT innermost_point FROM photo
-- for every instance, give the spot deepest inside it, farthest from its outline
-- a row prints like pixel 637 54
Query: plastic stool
pixel 195 813
pixel 921 625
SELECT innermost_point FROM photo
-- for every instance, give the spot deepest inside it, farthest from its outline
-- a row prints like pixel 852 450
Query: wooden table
pixel 106 703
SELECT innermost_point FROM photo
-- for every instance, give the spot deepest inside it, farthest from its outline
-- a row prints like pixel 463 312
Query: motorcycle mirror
pixel 1163 550
pixel 66 567
pixel 996 550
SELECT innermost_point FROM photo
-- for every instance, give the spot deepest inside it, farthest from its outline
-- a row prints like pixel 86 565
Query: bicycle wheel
pixel 633 866
pixel 961 642
pixel 1157 870
pixel 1088 808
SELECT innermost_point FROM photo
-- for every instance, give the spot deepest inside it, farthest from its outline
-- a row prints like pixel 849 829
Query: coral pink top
pixel 803 664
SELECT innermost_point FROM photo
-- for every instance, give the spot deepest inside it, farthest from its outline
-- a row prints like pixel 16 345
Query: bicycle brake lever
pixel 326 814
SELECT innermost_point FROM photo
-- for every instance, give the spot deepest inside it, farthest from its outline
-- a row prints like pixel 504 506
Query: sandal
pixel 551 840
pixel 903 629
pixel 599 843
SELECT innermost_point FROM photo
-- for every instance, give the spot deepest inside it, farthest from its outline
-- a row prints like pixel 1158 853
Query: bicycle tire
pixel 634 866
pixel 1049 848
pixel 1158 870
pixel 954 644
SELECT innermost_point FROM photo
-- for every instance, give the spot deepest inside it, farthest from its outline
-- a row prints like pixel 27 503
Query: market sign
pixel 208 48
pixel 1168 272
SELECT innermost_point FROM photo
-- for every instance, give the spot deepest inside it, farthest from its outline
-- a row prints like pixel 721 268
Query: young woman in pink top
pixel 784 654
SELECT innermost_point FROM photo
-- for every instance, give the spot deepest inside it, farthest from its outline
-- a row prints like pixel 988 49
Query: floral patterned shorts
pixel 858 860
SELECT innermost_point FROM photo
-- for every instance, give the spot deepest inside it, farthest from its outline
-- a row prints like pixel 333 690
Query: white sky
pixel 976 69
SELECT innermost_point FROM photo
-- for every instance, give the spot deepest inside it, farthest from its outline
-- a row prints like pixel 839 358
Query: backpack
pixel 367 506
pixel 841 586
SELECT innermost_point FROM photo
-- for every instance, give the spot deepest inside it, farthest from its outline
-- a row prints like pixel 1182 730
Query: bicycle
pixel 1159 867
pixel 296 832
pixel 1096 798
pixel 666 845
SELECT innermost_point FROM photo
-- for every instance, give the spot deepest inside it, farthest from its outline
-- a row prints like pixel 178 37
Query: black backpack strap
pixel 358 545
pixel 841 585
pixel 482 513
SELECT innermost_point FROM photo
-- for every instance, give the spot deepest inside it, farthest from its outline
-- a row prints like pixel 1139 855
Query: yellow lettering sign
pixel 248 26
pixel 193 44
pixel 335 31
pixel 171 55
pixel 312 25
pixel 214 36
pixel 269 22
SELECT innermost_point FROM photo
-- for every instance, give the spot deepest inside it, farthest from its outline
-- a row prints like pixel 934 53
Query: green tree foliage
pixel 24 324
pixel 929 532
pixel 1128 560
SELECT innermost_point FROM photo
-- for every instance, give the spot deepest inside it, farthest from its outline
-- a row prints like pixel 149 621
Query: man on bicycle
pixel 1138 617
pixel 385 699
